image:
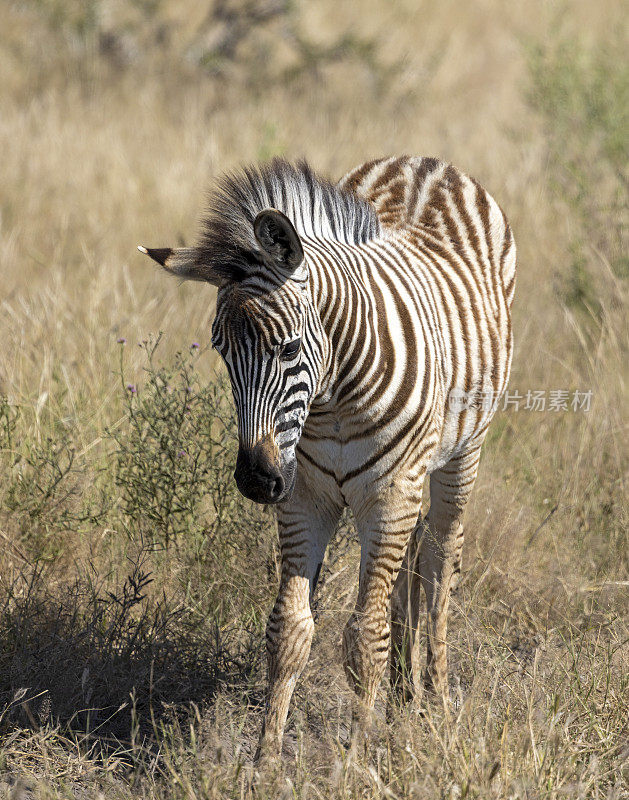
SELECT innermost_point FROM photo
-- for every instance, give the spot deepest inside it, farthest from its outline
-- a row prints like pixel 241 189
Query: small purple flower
pixel 122 340
pixel 195 346
pixel 132 388
pixel 182 454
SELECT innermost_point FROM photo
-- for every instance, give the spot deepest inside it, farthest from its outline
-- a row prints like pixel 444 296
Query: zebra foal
pixel 366 330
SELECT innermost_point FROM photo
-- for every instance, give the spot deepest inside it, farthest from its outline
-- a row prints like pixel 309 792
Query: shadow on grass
pixel 107 666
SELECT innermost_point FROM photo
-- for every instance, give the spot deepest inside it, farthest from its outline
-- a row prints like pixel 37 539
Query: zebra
pixel 366 329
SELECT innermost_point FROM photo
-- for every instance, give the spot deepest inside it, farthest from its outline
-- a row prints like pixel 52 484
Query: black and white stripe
pixel 349 316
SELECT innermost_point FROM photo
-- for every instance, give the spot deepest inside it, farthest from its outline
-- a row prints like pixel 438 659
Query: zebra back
pixel 436 198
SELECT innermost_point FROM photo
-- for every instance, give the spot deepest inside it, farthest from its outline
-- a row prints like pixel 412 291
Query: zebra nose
pixel 257 474
pixel 276 487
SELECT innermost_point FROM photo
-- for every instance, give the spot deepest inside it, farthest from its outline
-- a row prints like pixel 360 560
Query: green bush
pixel 49 490
pixel 156 629
pixel 175 455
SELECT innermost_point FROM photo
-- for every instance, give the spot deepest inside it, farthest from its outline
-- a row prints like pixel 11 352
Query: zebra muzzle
pixel 258 474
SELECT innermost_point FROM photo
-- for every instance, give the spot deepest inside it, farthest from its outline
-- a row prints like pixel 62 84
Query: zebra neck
pixel 346 312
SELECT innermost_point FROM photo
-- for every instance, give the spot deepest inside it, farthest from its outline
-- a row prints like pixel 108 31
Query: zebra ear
pixel 183 262
pixel 278 238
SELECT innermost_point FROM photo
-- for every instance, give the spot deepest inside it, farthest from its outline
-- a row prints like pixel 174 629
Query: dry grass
pixel 131 660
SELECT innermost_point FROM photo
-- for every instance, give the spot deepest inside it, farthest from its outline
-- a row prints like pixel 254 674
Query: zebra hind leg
pixel 440 557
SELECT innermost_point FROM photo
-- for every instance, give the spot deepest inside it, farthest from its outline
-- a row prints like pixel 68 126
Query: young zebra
pixel 366 331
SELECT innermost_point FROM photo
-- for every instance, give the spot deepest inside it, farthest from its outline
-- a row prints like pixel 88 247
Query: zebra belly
pixel 462 426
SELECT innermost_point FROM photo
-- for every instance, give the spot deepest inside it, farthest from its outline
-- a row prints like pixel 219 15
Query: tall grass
pixel 134 580
pixel 583 95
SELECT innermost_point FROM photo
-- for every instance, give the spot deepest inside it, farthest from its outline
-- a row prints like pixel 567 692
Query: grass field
pixel 134 580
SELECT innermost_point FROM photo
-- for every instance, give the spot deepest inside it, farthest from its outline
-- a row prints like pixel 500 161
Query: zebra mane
pixel 316 207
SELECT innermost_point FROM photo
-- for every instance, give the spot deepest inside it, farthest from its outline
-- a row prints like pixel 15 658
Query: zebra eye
pixel 291 349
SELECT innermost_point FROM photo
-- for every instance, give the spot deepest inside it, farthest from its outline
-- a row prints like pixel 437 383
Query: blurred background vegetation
pixel 134 580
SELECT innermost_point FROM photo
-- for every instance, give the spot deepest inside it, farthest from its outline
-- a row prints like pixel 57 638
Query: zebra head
pixel 266 331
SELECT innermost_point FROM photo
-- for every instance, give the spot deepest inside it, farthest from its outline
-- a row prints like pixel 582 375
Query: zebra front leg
pixel 405 606
pixel 304 530
pixel 288 637
pixel 384 533
pixel 440 557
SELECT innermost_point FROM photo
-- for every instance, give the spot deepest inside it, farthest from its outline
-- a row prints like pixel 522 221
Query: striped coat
pixel 366 330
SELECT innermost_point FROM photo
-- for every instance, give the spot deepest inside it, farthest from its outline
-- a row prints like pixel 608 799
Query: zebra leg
pixel 440 556
pixel 304 530
pixel 405 606
pixel 384 533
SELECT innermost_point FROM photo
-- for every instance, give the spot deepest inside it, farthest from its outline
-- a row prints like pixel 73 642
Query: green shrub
pixel 175 456
pixel 49 490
